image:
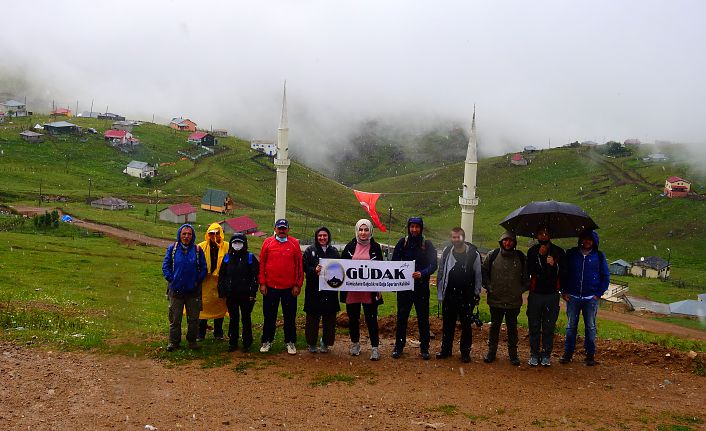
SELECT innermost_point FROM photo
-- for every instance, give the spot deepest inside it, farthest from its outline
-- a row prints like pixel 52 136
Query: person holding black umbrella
pixel 544 268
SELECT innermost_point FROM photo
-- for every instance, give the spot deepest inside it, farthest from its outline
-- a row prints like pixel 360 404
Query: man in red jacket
pixel 281 277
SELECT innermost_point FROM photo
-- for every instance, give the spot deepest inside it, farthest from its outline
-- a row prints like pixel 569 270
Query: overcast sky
pixel 540 70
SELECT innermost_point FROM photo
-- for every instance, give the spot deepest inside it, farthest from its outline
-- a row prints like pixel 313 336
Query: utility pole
pixel 389 234
pixel 89 189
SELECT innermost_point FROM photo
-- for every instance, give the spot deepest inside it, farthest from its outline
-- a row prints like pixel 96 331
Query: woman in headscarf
pixel 319 306
pixel 363 247
pixel 215 248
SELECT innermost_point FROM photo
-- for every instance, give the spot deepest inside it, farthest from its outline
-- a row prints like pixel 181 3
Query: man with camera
pixel 458 287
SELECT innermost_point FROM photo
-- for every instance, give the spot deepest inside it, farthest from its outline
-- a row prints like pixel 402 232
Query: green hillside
pixel 622 196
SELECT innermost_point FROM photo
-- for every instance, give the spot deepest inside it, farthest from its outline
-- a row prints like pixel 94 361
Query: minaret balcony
pixel 473 202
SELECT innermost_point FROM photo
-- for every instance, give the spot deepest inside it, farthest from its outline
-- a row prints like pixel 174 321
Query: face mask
pixel 237 245
pixel 281 239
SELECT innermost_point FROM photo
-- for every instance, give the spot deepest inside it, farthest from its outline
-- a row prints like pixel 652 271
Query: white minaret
pixel 468 199
pixel 282 161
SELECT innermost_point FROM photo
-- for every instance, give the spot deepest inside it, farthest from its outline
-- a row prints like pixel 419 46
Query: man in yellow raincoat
pixel 213 307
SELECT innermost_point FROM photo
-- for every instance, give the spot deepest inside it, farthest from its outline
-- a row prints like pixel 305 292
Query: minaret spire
pixel 468 199
pixel 282 160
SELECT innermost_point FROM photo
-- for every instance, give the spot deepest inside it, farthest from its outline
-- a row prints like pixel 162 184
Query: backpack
pixel 198 255
pixel 494 254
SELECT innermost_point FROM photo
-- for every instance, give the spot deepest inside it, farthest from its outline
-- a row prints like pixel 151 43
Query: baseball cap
pixel 282 223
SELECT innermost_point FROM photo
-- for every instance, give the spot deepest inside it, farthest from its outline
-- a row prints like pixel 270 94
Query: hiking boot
pixel 323 348
pixel 465 358
pixel 425 355
pixel 443 355
pixel 396 354
pixel 246 349
pixel 590 361
pixel 489 357
pixel 266 346
pixel 355 349
pixel 313 349
pixel 546 361
pixel 375 354
pixel 232 347
pixel 514 360
pixel 533 361
pixel 194 346
pixel 172 347
pixel 565 358
pixel 291 349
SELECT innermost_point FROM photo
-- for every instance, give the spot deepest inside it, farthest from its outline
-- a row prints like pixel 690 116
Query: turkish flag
pixel 367 201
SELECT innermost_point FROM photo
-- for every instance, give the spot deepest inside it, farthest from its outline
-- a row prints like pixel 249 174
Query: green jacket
pixel 505 278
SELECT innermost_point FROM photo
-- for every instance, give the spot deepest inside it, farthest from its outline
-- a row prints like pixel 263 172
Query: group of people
pixel 212 277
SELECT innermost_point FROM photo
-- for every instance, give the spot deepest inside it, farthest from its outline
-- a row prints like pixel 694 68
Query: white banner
pixel 366 275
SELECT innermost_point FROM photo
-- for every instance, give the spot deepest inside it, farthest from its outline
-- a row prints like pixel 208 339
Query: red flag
pixel 367 201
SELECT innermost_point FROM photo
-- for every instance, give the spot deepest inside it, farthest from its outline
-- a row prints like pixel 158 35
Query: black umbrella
pixel 564 220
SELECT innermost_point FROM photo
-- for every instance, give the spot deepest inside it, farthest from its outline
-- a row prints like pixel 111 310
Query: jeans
pixel 405 300
pixel 270 305
pixel 453 310
pixel 589 309
pixel 311 330
pixel 217 328
pixel 371 320
pixel 542 312
pixel 239 309
pixel 177 303
pixel 496 316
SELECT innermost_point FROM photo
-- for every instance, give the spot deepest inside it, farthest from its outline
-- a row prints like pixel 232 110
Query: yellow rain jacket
pixel 213 306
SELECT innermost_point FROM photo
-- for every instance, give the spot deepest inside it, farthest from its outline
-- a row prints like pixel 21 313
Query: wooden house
pixel 676 187
pixel 619 267
pixel 202 138
pixel 30 136
pixel 180 213
pixel 61 128
pixel 139 169
pixel 217 201
pixel 651 267
pixel 110 203
pixel 242 224
pixel 182 124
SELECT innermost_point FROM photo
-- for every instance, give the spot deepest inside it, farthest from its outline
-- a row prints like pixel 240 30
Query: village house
pixel 242 224
pixel 182 124
pixel 13 108
pixel 217 201
pixel 117 136
pixel 589 144
pixel 139 169
pixel 651 267
pixel 518 160
pixel 61 128
pixel 221 133
pixel 30 136
pixel 619 267
pixel 202 138
pixel 110 203
pixel 263 146
pixel 689 307
pixel 111 116
pixel 123 125
pixel 62 112
pixel 655 157
pixel 179 213
pixel 530 149
pixel 88 114
pixel 676 187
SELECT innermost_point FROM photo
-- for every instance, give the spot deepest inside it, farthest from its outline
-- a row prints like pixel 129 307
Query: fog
pixel 537 72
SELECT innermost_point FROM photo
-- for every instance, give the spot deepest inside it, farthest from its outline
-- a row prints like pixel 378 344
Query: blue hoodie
pixel 187 270
pixel 421 251
pixel 586 275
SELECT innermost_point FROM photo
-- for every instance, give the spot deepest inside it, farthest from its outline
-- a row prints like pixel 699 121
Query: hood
pixel 212 227
pixel 593 234
pixel 417 220
pixel 325 229
pixel 507 234
pixel 238 237
pixel 178 235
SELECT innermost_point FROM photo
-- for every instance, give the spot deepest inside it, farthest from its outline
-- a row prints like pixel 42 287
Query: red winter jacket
pixel 281 263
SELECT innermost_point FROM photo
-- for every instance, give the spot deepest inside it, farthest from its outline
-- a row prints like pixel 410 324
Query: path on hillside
pixel 636 386
pixel 621 176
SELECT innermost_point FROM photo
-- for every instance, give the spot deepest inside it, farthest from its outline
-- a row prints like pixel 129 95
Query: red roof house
pixel 179 213
pixel 518 160
pixel 676 187
pixel 202 138
pixel 62 112
pixel 242 224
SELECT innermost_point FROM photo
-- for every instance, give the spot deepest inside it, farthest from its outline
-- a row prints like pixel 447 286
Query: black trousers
pixel 270 306
pixel 542 312
pixel 497 315
pixel 240 309
pixel 371 320
pixel 454 309
pixel 405 300
pixel 217 328
pixel 311 330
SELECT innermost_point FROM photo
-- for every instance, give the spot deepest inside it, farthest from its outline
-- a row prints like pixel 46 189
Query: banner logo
pixel 335 275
